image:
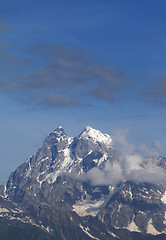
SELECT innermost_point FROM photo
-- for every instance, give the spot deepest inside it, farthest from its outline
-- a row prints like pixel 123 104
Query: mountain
pixel 61 193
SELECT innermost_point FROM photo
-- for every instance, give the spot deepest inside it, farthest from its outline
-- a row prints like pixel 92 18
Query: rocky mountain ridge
pixel 53 191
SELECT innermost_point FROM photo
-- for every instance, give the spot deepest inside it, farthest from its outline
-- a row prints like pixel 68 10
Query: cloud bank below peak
pixel 137 165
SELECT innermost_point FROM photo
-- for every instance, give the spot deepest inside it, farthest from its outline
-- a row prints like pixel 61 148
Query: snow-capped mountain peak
pixel 58 186
pixel 95 136
pixel 58 129
pixel 56 136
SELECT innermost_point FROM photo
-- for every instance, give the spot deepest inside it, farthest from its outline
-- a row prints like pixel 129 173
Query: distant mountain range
pixel 61 193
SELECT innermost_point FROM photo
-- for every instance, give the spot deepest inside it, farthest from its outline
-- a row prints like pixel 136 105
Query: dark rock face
pixel 140 203
pixel 51 192
pixel 162 162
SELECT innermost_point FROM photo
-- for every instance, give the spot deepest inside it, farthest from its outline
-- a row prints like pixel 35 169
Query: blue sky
pixel 78 63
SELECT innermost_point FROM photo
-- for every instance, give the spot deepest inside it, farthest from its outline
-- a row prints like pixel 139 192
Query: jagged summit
pixel 89 133
pixel 58 129
pixel 61 153
pixel 56 136
pixel 95 136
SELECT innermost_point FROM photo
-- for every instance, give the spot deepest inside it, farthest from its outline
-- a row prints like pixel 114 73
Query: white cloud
pixel 131 164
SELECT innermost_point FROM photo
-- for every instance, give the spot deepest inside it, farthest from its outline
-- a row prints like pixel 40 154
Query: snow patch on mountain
pixel 112 234
pixel 86 230
pixel 164 222
pixel 151 229
pixel 67 161
pixel 3 210
pixel 4 192
pixel 163 199
pixel 132 227
pixel 17 214
pixel 51 177
pixel 85 207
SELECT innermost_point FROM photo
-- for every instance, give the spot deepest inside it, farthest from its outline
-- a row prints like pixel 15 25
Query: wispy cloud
pixel 156 91
pixel 60 100
pixel 66 77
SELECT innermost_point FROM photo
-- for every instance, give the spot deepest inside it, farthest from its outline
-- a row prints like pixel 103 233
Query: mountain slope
pixel 54 191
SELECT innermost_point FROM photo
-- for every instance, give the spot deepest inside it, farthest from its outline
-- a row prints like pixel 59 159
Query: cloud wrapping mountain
pixel 130 165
